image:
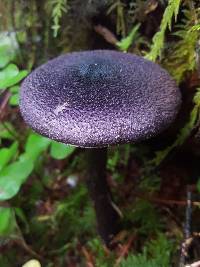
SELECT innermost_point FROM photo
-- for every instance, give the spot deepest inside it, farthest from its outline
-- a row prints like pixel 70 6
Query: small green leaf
pixel 60 151
pixel 6 154
pixel 5 55
pixel 13 176
pixel 4 60
pixel 14 100
pixel 11 76
pixel 35 145
pixel 7 221
pixel 9 72
pixel 126 42
pixel 14 89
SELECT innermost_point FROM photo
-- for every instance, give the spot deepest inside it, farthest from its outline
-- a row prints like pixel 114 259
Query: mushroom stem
pixel 106 215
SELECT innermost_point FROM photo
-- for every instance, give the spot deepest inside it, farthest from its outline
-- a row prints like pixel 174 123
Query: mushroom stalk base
pixel 106 215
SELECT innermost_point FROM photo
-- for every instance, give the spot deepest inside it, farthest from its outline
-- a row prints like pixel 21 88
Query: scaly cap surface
pixel 99 98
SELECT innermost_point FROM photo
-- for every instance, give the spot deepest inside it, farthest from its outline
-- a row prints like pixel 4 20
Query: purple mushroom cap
pixel 99 98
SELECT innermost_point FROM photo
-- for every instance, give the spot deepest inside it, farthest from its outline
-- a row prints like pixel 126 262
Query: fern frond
pixel 195 28
pixel 156 253
pixel 158 39
pixel 181 55
pixel 58 8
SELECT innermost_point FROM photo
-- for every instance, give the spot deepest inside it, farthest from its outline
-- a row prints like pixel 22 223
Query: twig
pixel 125 250
pixel 21 242
pixel 168 201
pixel 187 230
pixel 106 34
pixel 88 256
pixel 6 95
pixel 188 215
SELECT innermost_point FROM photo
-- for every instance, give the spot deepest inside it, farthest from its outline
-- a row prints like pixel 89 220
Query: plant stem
pixel 106 215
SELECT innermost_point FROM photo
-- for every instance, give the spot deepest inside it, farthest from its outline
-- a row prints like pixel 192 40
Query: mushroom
pixel 95 99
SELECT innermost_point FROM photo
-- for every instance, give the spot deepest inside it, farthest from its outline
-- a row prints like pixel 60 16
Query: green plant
pixel 156 253
pixel 126 42
pixel 183 52
pixel 71 208
pixel 8 223
pixel 16 166
pixel 195 27
pixel 10 75
pixel 101 259
pixel 58 7
pixel 14 174
pixel 144 215
pixel 5 55
pixel 158 39
pixel 60 151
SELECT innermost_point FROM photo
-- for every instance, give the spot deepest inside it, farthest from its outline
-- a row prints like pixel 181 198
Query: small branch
pixel 21 242
pixel 124 250
pixel 188 215
pixel 3 103
pixel 169 201
pixel 187 230
pixel 89 257
pixel 106 34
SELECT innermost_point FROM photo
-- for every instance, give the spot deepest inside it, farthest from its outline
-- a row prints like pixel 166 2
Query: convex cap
pixel 99 98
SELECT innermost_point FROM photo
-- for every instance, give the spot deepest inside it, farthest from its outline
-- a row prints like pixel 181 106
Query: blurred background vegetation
pixel 45 212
